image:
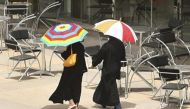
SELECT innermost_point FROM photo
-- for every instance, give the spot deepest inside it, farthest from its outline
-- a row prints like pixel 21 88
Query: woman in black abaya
pixel 111 53
pixel 69 87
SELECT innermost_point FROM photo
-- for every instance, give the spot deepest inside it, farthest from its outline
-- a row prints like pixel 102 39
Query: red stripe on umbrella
pixel 127 34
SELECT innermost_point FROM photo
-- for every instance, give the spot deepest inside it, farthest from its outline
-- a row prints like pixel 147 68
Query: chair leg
pixel 25 73
pixel 184 96
pixel 157 91
pixel 126 84
pixel 39 66
pixel 162 100
pixel 130 81
pixel 25 64
pixel 13 69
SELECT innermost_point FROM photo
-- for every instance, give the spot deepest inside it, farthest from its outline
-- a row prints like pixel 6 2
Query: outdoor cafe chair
pixel 23 49
pixel 169 87
pixel 170 78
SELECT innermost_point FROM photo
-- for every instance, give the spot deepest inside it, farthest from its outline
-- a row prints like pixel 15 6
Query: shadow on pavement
pixel 124 105
pixel 60 106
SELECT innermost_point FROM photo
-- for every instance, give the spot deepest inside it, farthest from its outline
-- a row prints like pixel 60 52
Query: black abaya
pixel 111 53
pixel 69 86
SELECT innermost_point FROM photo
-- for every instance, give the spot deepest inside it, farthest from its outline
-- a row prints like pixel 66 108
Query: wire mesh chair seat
pixel 174 86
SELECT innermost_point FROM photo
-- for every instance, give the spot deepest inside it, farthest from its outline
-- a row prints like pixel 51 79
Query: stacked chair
pixel 16 10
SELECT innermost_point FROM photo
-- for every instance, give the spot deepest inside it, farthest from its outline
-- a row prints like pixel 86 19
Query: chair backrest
pixel 20 34
pixel 11 44
pixel 17 0
pixel 167 35
pixel 158 61
pixel 168 74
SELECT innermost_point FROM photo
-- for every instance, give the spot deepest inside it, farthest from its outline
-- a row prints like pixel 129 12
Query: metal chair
pixel 171 77
pixel 23 49
pixel 166 74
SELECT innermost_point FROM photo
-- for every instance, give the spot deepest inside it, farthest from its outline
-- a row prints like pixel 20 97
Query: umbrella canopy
pixel 64 35
pixel 117 29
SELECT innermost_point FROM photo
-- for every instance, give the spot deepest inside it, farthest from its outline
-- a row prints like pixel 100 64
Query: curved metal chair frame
pixel 135 67
pixel 52 5
pixel 23 56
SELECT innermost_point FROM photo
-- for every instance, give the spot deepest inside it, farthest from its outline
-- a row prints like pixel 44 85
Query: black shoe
pixel 118 106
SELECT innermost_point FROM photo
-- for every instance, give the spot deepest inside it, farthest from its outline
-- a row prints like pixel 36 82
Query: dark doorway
pixel 76 8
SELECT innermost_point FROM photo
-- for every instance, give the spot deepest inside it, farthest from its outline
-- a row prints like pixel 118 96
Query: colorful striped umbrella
pixel 117 29
pixel 64 35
